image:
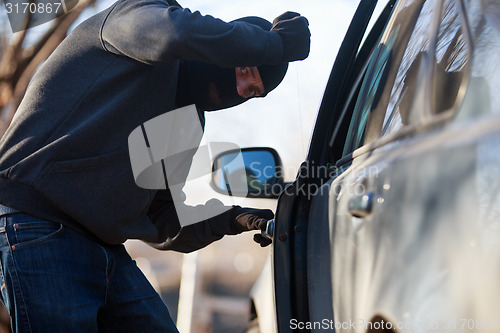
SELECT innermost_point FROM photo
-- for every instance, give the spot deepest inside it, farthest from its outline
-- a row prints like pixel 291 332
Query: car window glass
pixel 352 83
pixel 417 72
pixel 378 72
pixel 402 91
pixel 444 70
pixel 483 92
pixel 383 67
pixel 451 61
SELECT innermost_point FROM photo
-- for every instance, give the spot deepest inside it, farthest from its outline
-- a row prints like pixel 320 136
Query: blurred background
pixel 213 283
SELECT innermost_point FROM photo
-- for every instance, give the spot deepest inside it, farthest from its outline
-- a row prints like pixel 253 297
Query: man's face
pixel 213 88
pixel 248 82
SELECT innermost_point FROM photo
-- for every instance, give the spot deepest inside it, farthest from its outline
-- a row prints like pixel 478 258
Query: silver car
pixel 393 222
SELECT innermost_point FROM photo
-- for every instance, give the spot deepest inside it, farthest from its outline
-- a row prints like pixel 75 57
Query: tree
pixel 18 62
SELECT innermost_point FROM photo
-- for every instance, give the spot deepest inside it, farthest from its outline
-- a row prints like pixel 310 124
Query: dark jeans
pixel 54 279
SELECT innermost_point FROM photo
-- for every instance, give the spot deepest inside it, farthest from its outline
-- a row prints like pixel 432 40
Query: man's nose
pixel 242 88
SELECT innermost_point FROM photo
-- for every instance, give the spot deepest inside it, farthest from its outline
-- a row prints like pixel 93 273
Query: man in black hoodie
pixel 67 191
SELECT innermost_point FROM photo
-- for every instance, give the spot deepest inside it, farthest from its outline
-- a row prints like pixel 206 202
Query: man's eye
pixel 251 91
pixel 244 70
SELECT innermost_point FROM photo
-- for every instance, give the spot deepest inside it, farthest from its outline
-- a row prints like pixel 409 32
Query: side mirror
pixel 249 172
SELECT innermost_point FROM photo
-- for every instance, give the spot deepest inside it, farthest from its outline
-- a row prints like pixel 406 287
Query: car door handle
pixel 268 233
pixel 361 205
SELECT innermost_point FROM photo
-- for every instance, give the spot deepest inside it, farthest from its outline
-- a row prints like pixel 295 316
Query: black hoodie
pixel 65 156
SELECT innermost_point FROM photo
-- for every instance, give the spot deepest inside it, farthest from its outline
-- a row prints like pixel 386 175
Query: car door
pixel 406 225
pixel 290 267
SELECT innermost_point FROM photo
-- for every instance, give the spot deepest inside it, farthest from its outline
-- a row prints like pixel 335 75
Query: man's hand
pixel 247 219
pixel 295 35
pixel 263 241
pixel 254 219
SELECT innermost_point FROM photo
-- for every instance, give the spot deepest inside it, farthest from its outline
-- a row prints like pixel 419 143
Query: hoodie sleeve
pixel 151 31
pixel 173 236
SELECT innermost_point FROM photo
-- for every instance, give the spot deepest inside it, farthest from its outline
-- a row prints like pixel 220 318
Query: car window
pixel 416 74
pixel 483 92
pixel 351 84
pixel 383 65
pixel 430 71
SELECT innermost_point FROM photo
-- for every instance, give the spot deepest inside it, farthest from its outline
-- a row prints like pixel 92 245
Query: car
pixel 393 221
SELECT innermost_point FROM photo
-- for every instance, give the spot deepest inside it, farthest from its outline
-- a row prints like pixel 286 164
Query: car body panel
pixel 425 256
pixel 262 297
pixel 420 257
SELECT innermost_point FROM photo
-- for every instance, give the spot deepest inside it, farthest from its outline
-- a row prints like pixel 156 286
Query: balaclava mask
pixel 198 79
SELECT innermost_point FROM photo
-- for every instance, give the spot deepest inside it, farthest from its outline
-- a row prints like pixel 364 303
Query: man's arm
pixel 171 236
pixel 151 31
